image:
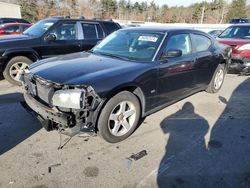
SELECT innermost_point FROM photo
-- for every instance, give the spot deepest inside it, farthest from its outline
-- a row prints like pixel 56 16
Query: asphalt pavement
pixel 201 141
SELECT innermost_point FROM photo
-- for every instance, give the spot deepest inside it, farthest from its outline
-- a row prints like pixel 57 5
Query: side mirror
pixel 50 37
pixel 171 54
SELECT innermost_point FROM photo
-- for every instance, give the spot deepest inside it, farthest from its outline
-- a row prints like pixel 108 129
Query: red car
pixel 13 28
pixel 238 37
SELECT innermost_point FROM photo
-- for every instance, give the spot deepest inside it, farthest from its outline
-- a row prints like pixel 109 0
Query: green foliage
pixel 215 11
pixel 237 9
pixel 29 9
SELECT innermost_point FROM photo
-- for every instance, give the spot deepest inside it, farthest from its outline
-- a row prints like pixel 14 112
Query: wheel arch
pixel 29 53
pixel 133 88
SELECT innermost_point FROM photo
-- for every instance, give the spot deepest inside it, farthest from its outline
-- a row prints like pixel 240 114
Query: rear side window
pixel 92 31
pixel 201 43
pixel 180 42
pixel 111 26
pixel 12 29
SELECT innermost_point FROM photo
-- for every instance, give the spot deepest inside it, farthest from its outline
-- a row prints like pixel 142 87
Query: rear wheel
pixel 217 80
pixel 119 117
pixel 15 67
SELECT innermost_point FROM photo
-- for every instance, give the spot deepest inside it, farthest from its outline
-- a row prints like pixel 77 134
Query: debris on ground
pixel 60 141
pixel 11 182
pixel 223 100
pixel 135 157
pixel 54 165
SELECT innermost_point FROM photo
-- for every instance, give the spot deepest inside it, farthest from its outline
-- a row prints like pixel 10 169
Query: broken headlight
pixel 71 98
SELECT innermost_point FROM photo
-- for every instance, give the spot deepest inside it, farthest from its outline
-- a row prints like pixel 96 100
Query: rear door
pixel 91 33
pixel 66 40
pixel 205 60
pixel 176 75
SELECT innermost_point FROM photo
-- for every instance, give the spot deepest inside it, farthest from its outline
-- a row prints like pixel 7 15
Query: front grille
pixel 41 90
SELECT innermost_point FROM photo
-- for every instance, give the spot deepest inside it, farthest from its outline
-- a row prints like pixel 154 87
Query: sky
pixel 173 2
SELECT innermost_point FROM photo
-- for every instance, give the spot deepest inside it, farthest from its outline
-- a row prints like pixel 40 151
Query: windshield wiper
pixel 112 55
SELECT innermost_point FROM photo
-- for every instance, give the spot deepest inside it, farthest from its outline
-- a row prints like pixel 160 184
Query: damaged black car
pixel 132 73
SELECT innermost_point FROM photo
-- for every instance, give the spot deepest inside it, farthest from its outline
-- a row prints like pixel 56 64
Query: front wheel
pixel 15 67
pixel 119 117
pixel 217 80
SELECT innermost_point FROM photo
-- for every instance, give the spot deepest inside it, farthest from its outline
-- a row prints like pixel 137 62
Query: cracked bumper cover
pixel 45 113
pixel 67 120
pixel 239 64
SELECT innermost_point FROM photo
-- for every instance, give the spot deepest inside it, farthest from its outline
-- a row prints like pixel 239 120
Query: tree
pixel 237 9
pixel 29 9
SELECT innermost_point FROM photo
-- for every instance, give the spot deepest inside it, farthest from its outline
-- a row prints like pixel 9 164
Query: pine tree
pixel 237 9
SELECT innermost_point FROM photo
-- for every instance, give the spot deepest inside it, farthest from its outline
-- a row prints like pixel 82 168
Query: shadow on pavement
pixel 16 124
pixel 1 76
pixel 225 162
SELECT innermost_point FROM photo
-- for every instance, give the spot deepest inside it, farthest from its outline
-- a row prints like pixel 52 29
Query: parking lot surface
pixel 201 141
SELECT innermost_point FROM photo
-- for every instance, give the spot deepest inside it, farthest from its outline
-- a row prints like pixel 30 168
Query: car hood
pixel 233 41
pixel 8 38
pixel 81 68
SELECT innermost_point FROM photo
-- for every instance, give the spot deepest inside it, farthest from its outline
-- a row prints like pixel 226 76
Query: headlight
pixel 244 47
pixel 72 98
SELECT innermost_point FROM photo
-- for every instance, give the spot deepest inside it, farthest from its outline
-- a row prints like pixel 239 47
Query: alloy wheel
pixel 122 118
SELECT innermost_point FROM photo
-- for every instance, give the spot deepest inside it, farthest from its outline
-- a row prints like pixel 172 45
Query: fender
pixel 132 87
pixel 22 51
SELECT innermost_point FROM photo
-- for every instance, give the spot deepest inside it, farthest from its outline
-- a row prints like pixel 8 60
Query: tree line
pixel 215 11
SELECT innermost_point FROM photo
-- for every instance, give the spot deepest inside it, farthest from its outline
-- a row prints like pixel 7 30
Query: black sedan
pixel 132 73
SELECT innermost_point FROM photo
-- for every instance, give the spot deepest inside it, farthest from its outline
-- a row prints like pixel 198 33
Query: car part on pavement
pixel 135 157
pixel 54 165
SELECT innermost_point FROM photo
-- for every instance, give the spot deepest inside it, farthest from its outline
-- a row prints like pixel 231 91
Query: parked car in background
pixel 130 74
pixel 13 20
pixel 13 28
pixel 47 38
pixel 215 33
pixel 239 20
pixel 238 37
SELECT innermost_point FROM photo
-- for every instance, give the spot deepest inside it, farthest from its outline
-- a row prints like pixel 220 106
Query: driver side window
pixel 180 42
pixel 65 31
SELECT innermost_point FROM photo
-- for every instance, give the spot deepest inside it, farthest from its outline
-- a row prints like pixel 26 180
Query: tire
pixel 115 122
pixel 14 68
pixel 217 80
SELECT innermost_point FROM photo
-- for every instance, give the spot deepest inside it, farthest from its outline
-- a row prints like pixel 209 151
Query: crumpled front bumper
pixel 239 64
pixel 44 113
pixel 67 120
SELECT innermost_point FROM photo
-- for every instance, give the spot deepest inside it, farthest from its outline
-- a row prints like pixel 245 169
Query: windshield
pixel 236 32
pixel 39 28
pixel 131 45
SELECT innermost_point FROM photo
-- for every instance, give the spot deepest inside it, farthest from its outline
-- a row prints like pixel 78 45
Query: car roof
pixel 241 24
pixel 162 29
pixel 10 24
pixel 60 18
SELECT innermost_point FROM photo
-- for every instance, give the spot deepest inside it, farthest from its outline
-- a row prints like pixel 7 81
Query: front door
pixel 176 74
pixel 66 41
